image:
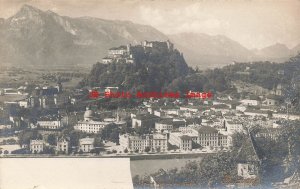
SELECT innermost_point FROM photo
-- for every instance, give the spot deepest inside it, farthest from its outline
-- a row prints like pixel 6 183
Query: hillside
pixel 153 70
pixel 207 51
pixel 210 51
pixel 40 38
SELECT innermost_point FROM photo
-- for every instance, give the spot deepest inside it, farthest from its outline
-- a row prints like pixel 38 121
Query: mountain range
pixel 33 37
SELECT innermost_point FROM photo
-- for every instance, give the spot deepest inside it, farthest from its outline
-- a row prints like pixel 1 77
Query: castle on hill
pixel 125 54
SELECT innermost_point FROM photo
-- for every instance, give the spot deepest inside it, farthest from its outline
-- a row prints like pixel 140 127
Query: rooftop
pixel 207 129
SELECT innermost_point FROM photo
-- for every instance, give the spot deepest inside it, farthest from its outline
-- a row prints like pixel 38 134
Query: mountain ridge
pixel 44 37
pixel 33 37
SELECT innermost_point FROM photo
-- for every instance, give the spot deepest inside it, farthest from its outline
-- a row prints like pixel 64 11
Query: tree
pixel 26 135
pixel 147 149
pixel 51 139
pixel 270 114
pixel 126 150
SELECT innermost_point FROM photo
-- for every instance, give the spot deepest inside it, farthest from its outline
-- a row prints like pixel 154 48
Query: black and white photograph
pixel 149 94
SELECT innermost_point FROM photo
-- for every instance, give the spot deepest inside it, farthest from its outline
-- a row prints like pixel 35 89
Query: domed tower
pixel 88 115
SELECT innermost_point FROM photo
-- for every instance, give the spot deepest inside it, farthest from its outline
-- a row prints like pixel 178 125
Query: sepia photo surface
pixel 105 94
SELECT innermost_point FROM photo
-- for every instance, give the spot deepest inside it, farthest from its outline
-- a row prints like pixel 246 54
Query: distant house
pixel 24 103
pixel 247 170
pixel 50 122
pixel 270 133
pixel 164 45
pixel 117 51
pixel 251 102
pixel 36 146
pixel 63 145
pixel 10 91
pixel 107 60
pixel 164 125
pixel 86 144
pixel 233 126
pixel 272 100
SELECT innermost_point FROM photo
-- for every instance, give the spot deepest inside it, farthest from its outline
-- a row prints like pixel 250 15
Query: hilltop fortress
pixel 126 54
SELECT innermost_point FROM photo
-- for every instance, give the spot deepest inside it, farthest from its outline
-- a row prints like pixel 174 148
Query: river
pixel 149 166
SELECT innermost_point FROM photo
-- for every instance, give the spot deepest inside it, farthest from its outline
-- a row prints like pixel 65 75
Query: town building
pixel 86 144
pixel 210 137
pixel 164 125
pixel 63 145
pixel 272 100
pixel 36 146
pixel 143 120
pixel 183 142
pixel 246 170
pixel 89 125
pixel 153 142
pixel 233 126
pixel 50 122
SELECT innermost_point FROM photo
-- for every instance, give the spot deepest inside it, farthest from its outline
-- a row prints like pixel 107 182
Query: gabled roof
pixel 185 137
pixel 247 152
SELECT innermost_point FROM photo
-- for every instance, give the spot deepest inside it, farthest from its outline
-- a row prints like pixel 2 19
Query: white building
pixel 88 125
pixel 247 171
pixel 86 144
pixel 50 123
pixel 63 145
pixel 24 103
pixel 209 136
pixel 164 125
pixel 184 142
pixel 233 126
pixel 241 108
pixel 117 51
pixel 248 102
pixel 36 146
pixel 154 142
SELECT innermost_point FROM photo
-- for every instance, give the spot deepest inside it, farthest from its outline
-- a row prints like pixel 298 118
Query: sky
pixel 252 23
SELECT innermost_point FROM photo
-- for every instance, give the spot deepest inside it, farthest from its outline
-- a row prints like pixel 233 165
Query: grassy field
pixel 15 77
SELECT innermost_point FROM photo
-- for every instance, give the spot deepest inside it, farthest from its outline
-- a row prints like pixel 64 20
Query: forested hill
pixel 154 69
pixel 266 74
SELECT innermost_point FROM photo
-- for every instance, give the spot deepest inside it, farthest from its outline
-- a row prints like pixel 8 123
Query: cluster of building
pixel 62 145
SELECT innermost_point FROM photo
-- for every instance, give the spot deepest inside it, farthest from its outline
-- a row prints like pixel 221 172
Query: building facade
pixel 36 146
pixel 86 144
pixel 153 142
